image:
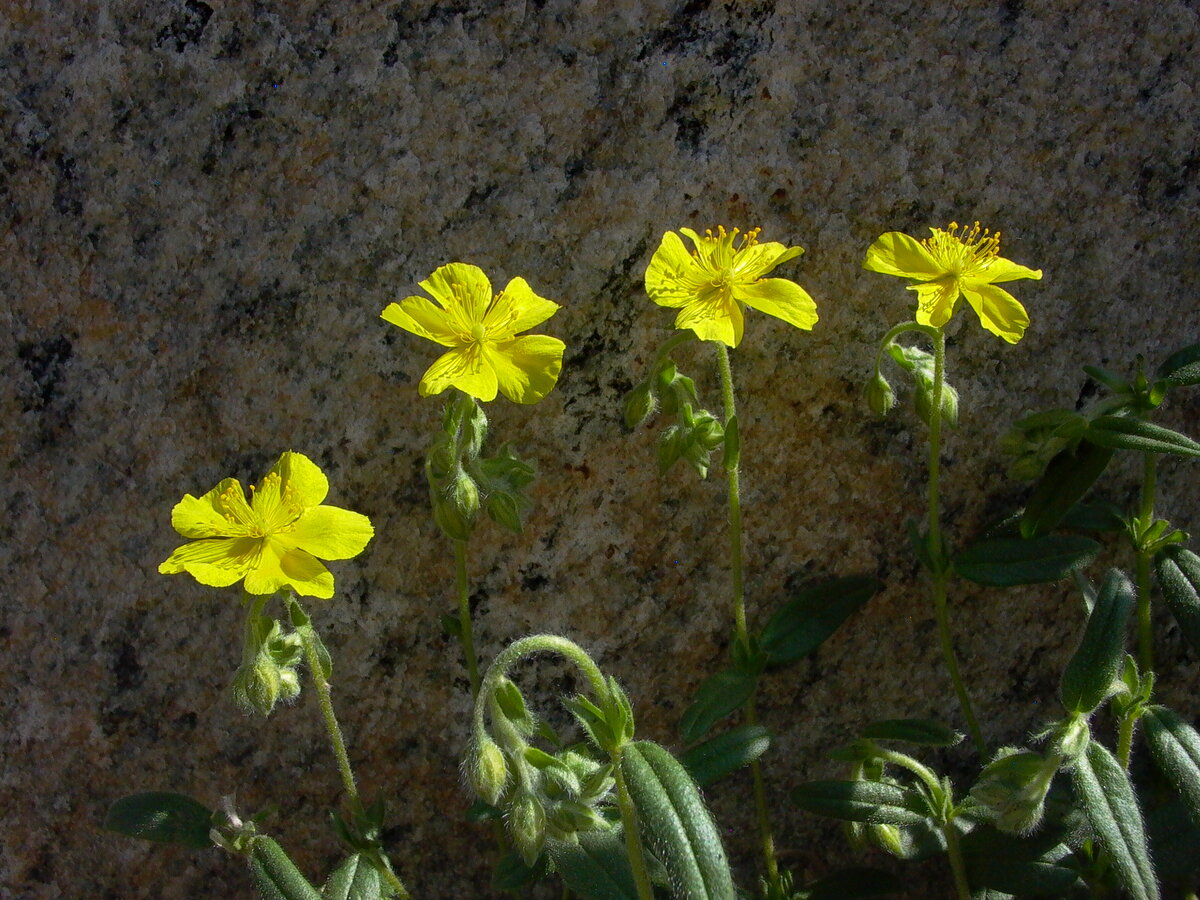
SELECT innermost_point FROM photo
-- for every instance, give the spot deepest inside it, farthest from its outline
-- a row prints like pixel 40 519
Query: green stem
pixel 465 636
pixel 935 541
pixel 325 700
pixel 1125 739
pixel 741 633
pixel 1145 520
pixel 957 865
pixel 633 839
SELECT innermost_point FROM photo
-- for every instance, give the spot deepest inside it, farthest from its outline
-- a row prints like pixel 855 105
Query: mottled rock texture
pixel 205 206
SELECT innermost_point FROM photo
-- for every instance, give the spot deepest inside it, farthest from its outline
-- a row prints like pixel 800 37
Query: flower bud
pixel 504 509
pixel 639 406
pixel 466 496
pixel 1014 787
pixel 1070 739
pixel 527 826
pixel 887 837
pixel 488 771
pixel 880 396
pixel 256 687
pixel 707 431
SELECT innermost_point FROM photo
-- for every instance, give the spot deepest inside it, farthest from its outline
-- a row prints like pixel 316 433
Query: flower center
pixel 478 333
pixel 963 251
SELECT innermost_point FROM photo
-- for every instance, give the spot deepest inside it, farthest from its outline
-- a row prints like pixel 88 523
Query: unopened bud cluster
pixel 920 365
pixel 463 482
pixel 696 432
pixel 268 671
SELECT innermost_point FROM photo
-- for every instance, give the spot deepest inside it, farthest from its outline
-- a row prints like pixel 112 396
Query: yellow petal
pixel 516 309
pixel 717 319
pixel 421 317
pixel 1001 269
pixel 527 367
pixel 216 562
pixel 999 311
pixel 460 283
pixel 671 275
pixel 281 567
pixel 896 253
pixel 935 301
pixel 300 474
pixel 329 532
pixel 203 517
pixel 463 368
pixel 780 298
pixel 757 260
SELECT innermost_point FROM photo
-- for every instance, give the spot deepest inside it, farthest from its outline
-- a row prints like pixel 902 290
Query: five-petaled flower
pixel 951 263
pixel 710 284
pixel 274 540
pixel 481 331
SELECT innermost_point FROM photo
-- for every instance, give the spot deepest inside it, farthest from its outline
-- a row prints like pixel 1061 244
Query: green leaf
pixel 718 696
pixel 275 875
pixel 801 625
pixel 162 816
pixel 1181 367
pixel 512 873
pixel 1104 517
pixel 1128 433
pixel 1097 662
pixel 925 732
pixel 853 884
pixel 1175 747
pixel 354 879
pixel 595 868
pixel 862 801
pixel 1067 478
pixel 1028 866
pixel 1178 571
pixel 1005 562
pixel 1174 838
pixel 675 823
pixel 1103 790
pixel 1109 379
pixel 725 753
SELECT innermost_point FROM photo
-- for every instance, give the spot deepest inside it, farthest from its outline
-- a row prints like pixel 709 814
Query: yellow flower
pixel 710 285
pixel 480 329
pixel 274 540
pixel 955 262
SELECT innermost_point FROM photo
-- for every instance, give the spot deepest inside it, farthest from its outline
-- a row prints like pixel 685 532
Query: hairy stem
pixel 1145 520
pixel 465 635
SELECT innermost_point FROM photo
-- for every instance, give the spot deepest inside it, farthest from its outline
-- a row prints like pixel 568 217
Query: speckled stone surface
pixel 204 207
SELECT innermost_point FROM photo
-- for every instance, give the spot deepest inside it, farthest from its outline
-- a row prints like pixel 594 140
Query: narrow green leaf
pixel 1128 433
pixel 1175 748
pixel 1067 478
pixel 1174 838
pixel 163 817
pixel 1097 662
pixel 1181 367
pixel 677 826
pixel 596 867
pixel 354 879
pixel 1006 562
pixel 1032 866
pixel 862 801
pixel 1178 571
pixel 725 753
pixel 925 732
pixel 1109 379
pixel 854 884
pixel 1103 790
pixel 1104 517
pixel 801 625
pixel 275 875
pixel 718 696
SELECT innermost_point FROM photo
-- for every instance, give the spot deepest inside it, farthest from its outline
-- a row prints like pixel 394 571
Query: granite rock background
pixel 205 205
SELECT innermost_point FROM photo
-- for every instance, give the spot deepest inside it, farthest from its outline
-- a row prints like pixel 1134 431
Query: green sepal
pixel 1178 571
pixel 1181 367
pixel 872 802
pixel 1006 562
pixel 733 444
pixel 852 884
pixel 513 874
pixel 923 732
pixel 1097 663
pixel 1033 866
pixel 595 866
pixel 275 875
pixel 718 696
pixel 1129 433
pixel 163 817
pixel 675 823
pixel 1103 789
pixel 511 704
pixel 1068 476
pixel 725 753
pixel 355 879
pixel 1175 748
pixel 474 426
pixel 800 626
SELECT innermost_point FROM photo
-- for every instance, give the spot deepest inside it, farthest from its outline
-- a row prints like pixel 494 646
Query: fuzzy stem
pixel 957 864
pixel 1145 520
pixel 633 838
pixel 741 633
pixel 466 636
